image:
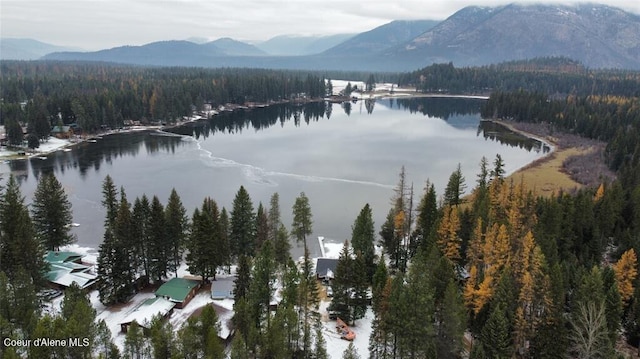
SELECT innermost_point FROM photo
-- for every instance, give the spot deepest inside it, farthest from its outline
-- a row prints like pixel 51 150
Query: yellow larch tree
pixel 474 251
pixel 483 294
pixel 448 239
pixel 469 292
pixel 626 272
pixel 599 193
pixel 501 248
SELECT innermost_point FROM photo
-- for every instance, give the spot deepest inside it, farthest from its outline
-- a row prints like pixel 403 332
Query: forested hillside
pixel 552 76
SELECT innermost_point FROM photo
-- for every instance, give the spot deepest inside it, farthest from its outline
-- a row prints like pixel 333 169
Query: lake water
pixel 341 156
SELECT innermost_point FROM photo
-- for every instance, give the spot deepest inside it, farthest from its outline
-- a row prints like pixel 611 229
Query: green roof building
pixel 179 291
pixel 66 268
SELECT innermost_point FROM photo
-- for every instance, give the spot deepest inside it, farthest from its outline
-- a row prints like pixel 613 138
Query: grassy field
pixel 546 176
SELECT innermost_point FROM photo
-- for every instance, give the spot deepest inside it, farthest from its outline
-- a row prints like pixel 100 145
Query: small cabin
pixel 62 132
pixel 179 291
pixel 325 268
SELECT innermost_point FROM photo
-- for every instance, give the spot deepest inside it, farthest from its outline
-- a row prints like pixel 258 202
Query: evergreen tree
pixel 613 312
pixel 140 235
pixel 360 286
pixel 481 192
pixel 115 273
pixel 194 338
pixel 110 200
pixel 243 278
pixel 261 287
pixel 348 89
pixel 177 228
pixel 302 225
pixel 275 342
pixel 321 344
pixel 243 225
pixel 38 117
pixel 414 326
pixel 450 319
pixel 51 213
pixel 550 339
pixel 262 226
pixel 308 301
pixel 282 247
pixel 390 240
pixel 380 278
pixel 477 351
pixel 371 83
pixel 14 132
pixel 223 246
pixel 210 331
pixel 19 248
pixel 287 313
pixel 455 188
pixel 427 217
pixel 136 345
pixel 498 171
pixel 104 345
pixel 47 327
pixel 239 348
pixel 496 338
pixel 277 231
pixel 343 296
pixel 363 238
pixel 79 316
pixel 158 246
pixel 329 88
pixel 203 256
pixel 163 341
pixel 20 307
pixel 350 352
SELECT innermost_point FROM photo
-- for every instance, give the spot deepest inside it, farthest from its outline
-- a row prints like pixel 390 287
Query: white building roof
pixel 145 311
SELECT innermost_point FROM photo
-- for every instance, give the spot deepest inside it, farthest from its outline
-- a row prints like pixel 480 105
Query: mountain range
pixel 27 49
pixel 596 35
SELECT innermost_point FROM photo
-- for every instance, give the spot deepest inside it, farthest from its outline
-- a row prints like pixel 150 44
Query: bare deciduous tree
pixel 589 336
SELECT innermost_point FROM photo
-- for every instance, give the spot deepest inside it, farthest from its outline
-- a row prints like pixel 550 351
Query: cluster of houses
pixel 66 268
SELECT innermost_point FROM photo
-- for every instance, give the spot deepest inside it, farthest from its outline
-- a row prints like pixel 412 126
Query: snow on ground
pixel 51 145
pixel 114 315
pixel 180 316
pixel 337 346
pixel 339 85
pixel 332 250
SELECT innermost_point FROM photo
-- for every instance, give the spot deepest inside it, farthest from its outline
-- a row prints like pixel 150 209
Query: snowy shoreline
pixel 53 144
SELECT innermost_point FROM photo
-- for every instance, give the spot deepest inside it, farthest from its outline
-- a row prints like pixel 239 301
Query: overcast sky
pixel 98 24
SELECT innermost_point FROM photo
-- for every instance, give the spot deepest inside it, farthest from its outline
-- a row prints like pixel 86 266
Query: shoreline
pixel 64 144
pixel 549 175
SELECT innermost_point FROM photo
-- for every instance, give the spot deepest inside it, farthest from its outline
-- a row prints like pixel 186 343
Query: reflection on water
pixel 439 107
pixel 496 132
pixel 341 155
pixel 92 155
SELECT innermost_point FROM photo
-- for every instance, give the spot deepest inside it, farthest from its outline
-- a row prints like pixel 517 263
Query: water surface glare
pixel 341 156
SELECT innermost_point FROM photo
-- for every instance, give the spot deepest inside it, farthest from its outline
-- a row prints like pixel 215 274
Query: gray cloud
pixel 97 24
